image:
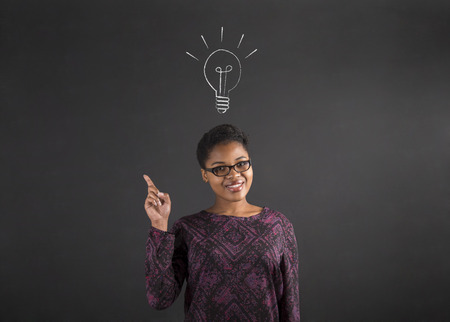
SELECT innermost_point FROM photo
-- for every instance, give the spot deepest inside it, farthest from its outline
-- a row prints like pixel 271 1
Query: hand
pixel 157 205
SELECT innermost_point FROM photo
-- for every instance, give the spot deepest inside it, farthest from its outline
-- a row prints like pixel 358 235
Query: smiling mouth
pixel 235 187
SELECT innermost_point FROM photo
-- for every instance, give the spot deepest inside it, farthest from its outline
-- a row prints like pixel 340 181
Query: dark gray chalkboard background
pixel 347 107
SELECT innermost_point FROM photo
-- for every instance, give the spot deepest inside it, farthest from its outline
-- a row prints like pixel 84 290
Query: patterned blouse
pixel 236 268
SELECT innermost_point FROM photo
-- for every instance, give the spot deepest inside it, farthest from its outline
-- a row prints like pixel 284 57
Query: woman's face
pixel 235 186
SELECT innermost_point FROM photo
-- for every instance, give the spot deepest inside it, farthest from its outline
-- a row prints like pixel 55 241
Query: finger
pixel 152 200
pixel 149 181
pixel 155 196
pixel 164 197
pixel 159 196
pixel 152 191
pixel 148 203
pixel 151 186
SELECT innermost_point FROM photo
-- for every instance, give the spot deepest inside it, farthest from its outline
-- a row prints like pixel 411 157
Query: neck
pixel 224 207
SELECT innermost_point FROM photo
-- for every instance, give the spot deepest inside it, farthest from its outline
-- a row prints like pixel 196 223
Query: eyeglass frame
pixel 229 168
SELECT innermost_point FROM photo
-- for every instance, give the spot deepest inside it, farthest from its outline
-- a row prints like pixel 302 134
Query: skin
pixel 228 201
pixel 157 205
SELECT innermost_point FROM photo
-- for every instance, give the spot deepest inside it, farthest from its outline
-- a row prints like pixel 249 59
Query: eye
pixel 219 170
pixel 242 165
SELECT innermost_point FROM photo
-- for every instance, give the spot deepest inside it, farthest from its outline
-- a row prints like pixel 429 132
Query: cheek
pixel 215 183
pixel 249 179
pixel 250 175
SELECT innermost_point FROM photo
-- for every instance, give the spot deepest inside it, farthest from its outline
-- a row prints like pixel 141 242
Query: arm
pixel 165 263
pixel 165 267
pixel 289 305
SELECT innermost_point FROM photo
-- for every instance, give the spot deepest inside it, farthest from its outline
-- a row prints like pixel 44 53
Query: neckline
pixel 252 217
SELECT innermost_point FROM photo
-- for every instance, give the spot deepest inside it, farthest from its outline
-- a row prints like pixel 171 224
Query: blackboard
pixel 347 108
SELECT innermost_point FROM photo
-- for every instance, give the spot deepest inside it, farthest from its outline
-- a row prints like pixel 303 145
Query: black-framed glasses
pixel 224 170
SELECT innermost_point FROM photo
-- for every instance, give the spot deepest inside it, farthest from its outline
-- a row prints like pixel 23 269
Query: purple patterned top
pixel 237 268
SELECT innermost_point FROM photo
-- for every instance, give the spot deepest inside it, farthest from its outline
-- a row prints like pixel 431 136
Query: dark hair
pixel 221 134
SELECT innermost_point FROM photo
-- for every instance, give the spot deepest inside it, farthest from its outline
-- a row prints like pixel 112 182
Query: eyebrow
pixel 221 162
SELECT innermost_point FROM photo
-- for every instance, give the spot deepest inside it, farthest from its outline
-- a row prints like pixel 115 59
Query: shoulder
pixel 290 240
pixel 184 223
pixel 278 216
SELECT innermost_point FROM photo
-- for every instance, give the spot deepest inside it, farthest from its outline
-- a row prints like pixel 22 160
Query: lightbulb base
pixel 222 104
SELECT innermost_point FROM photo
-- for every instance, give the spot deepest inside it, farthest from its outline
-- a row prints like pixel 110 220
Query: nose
pixel 231 174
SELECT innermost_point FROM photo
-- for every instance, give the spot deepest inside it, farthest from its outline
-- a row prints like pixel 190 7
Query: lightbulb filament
pixel 223 79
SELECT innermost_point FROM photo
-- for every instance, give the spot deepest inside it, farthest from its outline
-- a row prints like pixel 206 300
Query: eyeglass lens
pixel 225 170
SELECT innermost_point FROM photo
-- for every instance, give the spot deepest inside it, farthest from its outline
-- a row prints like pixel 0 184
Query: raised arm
pixel 165 262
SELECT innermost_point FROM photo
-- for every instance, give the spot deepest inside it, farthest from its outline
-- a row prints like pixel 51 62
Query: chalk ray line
pixel 192 56
pixel 205 42
pixel 251 53
pixel 242 37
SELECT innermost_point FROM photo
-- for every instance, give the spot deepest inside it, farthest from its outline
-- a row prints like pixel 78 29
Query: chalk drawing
pixel 205 41
pixel 242 37
pixel 192 56
pixel 251 53
pixel 222 70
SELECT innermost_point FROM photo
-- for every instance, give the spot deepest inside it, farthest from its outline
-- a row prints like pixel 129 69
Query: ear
pixel 204 175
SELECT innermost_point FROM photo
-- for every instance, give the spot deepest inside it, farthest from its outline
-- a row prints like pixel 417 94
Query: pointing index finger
pixel 149 181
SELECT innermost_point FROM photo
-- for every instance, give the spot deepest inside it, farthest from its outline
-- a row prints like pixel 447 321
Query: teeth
pixel 235 186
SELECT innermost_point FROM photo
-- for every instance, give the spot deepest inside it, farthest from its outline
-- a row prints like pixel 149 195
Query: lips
pixel 235 186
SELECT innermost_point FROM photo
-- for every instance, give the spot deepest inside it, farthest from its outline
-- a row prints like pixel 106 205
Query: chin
pixel 237 196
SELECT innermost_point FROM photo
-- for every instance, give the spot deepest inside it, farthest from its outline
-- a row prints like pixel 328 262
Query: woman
pixel 239 260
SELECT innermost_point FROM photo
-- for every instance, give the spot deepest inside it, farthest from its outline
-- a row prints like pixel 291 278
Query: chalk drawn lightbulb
pixel 222 70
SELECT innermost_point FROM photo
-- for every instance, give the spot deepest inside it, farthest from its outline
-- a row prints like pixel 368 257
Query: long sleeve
pixel 165 267
pixel 240 268
pixel 290 302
